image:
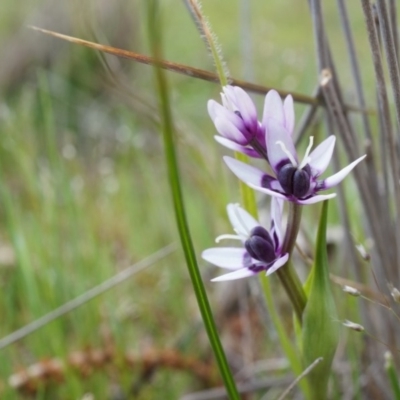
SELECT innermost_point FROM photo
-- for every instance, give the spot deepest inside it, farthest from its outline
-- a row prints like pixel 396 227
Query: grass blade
pixel 180 215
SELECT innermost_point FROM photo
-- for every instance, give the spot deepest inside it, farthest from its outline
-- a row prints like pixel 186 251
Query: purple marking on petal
pixel 225 257
pixel 276 155
pixel 316 199
pixel 268 182
pixel 339 176
pixel 260 134
pixel 273 108
pixel 289 113
pixel 277 264
pixel 245 172
pixel 241 273
pixel 237 147
pixel 321 156
pixel 228 129
pixel 268 191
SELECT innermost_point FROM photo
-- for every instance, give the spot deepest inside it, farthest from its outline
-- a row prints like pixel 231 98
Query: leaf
pixel 178 202
pixel 320 327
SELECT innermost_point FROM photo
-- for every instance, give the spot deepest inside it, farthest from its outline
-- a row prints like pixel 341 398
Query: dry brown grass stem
pixel 193 72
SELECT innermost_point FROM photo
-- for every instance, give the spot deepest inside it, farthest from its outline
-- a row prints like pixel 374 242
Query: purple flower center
pixel 295 181
pixel 260 245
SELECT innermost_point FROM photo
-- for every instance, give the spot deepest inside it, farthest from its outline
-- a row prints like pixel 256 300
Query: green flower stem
pixel 180 215
pixel 292 228
pixel 287 275
pixel 249 202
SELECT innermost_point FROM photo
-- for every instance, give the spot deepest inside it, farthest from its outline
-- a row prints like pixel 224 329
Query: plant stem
pixel 287 274
pixel 178 202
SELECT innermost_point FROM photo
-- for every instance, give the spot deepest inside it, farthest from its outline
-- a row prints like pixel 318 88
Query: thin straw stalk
pixel 180 215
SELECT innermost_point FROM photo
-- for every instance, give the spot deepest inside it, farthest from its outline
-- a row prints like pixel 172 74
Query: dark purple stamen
pixel 257 268
pixel 260 245
pixel 295 181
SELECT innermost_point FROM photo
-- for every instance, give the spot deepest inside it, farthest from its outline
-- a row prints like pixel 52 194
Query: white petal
pixel 245 172
pixel 339 176
pixel 277 264
pixel 267 191
pixel 316 199
pixel 216 110
pixel 273 108
pixel 276 216
pixel 241 273
pixel 228 129
pixel 245 106
pixel 277 136
pixel 321 156
pixel 289 113
pixel 236 147
pixel 241 220
pixel 213 107
pixel 225 257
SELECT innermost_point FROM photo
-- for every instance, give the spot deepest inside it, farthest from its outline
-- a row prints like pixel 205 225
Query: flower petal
pixel 216 110
pixel 242 222
pixel 273 108
pixel 228 129
pixel 276 219
pixel 236 147
pixel 241 273
pixel 339 176
pixel 289 113
pixel 245 172
pixel 278 139
pixel 213 109
pixel 321 156
pixel 268 191
pixel 277 264
pixel 244 104
pixel 225 257
pixel 316 199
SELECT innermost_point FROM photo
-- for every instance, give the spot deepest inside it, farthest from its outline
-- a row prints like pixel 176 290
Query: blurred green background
pixel 84 191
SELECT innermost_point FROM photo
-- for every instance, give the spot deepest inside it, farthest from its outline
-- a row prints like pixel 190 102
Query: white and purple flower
pixel 293 181
pixel 261 251
pixel 236 121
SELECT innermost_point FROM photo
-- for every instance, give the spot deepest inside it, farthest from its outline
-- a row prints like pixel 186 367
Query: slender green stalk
pixel 210 39
pixel 392 374
pixel 287 274
pixel 294 289
pixel 292 228
pixel 289 277
pixel 174 181
pixel 320 332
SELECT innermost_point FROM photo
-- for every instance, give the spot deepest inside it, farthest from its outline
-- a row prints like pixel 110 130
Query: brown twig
pixel 191 71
